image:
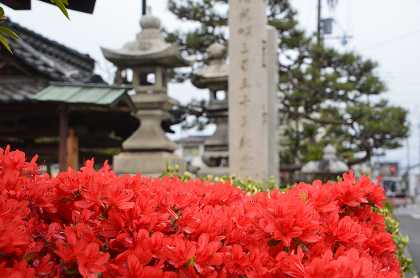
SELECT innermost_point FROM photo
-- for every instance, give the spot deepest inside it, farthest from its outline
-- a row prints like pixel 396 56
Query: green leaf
pixel 190 262
pixel 5 33
pixel 2 16
pixel 5 43
pixel 62 5
pixel 8 33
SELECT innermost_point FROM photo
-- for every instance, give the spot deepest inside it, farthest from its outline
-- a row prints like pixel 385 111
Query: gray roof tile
pixel 52 60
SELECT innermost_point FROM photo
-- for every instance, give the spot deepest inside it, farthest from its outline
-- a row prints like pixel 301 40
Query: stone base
pixel 215 172
pixel 146 163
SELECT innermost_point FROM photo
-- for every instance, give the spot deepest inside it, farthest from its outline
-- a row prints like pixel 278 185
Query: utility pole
pixel 408 163
pixel 418 126
pixel 317 57
pixel 408 153
pixel 416 181
pixel 144 7
pixel 319 23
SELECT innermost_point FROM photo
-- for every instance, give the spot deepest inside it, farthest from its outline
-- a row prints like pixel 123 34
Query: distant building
pixel 387 169
pixel 391 179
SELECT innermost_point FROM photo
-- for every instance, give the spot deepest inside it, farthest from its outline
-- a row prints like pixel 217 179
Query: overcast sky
pixel 383 30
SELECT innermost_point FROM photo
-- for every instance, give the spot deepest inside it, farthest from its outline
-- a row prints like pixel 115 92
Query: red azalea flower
pixel 92 222
pixel 90 260
pixel 348 231
pixel 179 251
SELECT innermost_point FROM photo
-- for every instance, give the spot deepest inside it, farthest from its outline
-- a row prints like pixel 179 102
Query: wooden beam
pixel 29 132
pixel 72 149
pixel 63 132
pixel 18 5
pixel 95 141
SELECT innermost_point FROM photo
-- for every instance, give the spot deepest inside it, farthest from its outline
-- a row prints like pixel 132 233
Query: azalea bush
pixel 96 224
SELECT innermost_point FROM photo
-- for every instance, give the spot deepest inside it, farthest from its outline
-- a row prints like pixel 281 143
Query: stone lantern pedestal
pixel 149 150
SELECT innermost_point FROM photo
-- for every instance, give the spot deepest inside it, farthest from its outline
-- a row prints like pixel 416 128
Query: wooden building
pixel 99 118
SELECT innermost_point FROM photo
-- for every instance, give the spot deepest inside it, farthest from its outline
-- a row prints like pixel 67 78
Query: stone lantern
pixel 149 58
pixel 214 77
pixel 329 168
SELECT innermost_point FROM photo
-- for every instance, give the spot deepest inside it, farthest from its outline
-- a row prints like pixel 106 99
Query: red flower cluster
pixel 97 223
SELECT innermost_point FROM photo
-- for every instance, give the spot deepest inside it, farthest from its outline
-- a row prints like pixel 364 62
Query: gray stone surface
pixel 214 77
pixel 148 46
pixel 150 136
pixel 214 172
pixel 148 150
pixel 146 163
pixel 249 107
pixel 273 102
pixel 329 164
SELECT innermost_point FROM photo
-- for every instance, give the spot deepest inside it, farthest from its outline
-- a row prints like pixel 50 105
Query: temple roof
pixel 37 60
pixel 48 57
pixel 86 94
pixel 17 90
pixel 148 49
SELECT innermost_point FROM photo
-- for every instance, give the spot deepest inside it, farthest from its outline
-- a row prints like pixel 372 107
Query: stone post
pixel 273 102
pixel 249 103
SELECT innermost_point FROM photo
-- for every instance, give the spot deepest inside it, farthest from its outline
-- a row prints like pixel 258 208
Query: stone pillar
pixel 248 89
pixel 273 102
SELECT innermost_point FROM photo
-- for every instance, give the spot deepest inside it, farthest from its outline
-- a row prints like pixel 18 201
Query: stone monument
pixel 252 69
pixel 149 58
pixel 214 77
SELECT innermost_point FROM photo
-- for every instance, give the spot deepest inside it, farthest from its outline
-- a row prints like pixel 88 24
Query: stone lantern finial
pixel 330 153
pixel 150 22
pixel 216 51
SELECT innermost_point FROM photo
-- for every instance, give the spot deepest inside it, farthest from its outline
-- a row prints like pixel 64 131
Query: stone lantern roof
pixel 215 74
pixel 329 164
pixel 148 49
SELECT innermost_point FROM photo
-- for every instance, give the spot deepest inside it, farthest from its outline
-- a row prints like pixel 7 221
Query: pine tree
pixel 328 97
